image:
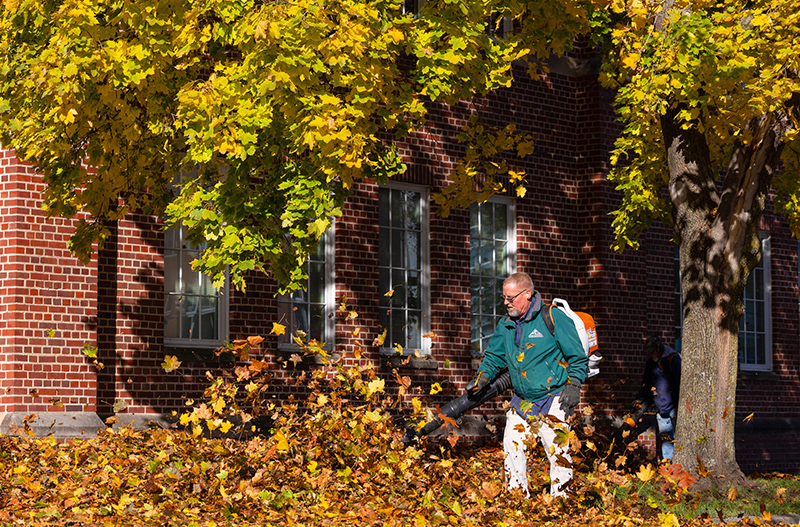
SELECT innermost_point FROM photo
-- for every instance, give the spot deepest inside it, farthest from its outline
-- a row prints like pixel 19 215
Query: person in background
pixel 546 374
pixel 660 389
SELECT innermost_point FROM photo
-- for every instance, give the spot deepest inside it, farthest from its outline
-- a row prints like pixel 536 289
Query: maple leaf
pixel 171 363
pixel 435 388
pixel 646 473
pixel 490 490
pixel 278 329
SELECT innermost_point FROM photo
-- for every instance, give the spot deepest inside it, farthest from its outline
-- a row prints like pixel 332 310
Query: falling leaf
pixel 281 443
pixel 296 359
pixel 725 413
pixel 529 345
pixel 33 392
pixel 355 332
pixel 278 329
pixel 429 335
pixel 352 315
pixel 380 339
pixel 748 418
pixel 56 402
pixel 171 363
pixel 89 350
pixel 119 406
pixel 389 293
pixel 733 494
pixel 521 191
pixel 435 388
pixel 375 386
pixel 521 357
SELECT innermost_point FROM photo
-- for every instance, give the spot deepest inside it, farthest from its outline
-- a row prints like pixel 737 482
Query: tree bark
pixel 716 224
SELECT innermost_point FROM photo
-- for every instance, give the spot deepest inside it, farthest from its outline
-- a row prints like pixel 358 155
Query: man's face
pixel 516 299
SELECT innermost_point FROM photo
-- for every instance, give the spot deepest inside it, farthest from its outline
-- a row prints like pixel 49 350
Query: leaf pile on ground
pixel 336 459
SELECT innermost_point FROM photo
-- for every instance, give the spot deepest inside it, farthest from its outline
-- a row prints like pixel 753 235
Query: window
pixel 195 314
pixel 403 269
pixel 755 326
pixel 311 310
pixel 491 257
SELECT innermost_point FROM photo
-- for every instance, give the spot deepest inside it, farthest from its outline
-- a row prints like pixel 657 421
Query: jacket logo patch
pixel 535 334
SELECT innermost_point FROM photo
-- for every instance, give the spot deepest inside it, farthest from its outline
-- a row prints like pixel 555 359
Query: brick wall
pixel 47 303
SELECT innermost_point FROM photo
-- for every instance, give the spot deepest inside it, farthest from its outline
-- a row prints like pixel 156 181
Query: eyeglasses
pixel 511 299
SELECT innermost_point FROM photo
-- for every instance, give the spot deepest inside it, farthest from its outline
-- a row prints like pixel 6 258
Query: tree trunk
pixel 716 224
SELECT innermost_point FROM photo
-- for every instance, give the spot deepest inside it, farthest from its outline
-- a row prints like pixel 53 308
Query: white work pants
pixel 516 465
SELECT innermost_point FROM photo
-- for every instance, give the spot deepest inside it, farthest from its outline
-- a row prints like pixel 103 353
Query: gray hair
pixel 521 280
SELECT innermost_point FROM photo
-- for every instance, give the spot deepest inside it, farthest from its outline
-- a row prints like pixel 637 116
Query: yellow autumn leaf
pixel 668 520
pixel 278 329
pixel 351 315
pixel 646 473
pixel 631 60
pixel 395 34
pixel 435 388
pixel 375 386
pixel 281 443
pixel 521 191
pixel 733 494
pixel 322 400
pixel 429 335
pixel 521 357
pixel 416 404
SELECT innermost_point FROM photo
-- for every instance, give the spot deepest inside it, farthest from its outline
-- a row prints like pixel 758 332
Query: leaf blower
pixel 461 405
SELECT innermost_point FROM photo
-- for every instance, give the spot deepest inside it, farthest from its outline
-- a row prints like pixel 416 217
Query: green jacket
pixel 542 364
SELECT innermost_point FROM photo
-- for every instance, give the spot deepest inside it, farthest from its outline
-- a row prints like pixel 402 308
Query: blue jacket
pixel 541 364
pixel 662 381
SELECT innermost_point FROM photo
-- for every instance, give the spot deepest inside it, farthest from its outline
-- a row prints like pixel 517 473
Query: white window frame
pixel 329 290
pixel 766 259
pixel 388 348
pixel 511 240
pixel 222 315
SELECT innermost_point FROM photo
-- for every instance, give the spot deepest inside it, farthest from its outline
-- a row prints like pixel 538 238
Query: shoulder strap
pixel 547 315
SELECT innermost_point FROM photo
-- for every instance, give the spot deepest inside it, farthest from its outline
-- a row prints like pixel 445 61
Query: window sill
pixel 411 362
pixel 754 375
pixel 202 354
pixel 308 360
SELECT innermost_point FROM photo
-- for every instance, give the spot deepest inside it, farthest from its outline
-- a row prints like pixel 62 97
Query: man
pixel 546 375
pixel 660 388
